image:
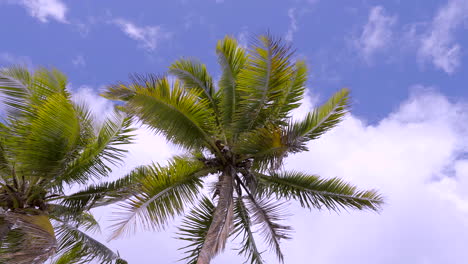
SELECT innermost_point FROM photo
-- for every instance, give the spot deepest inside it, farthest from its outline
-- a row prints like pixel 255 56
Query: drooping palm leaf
pixel 267 214
pixel 194 229
pixel 86 249
pixel 105 193
pixel 163 194
pixel 243 227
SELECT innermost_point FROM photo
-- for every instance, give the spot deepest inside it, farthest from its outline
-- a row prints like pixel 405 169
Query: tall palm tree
pixel 240 130
pixel 48 146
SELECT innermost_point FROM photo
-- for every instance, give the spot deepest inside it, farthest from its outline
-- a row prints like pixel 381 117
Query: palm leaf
pixel 231 58
pixel 13 89
pixel 243 227
pixel 292 93
pixel 105 193
pixel 194 229
pixel 313 192
pixel 194 76
pixel 85 248
pixel 267 214
pixel 104 150
pixel 319 121
pixel 180 116
pixel 262 82
pixel 56 129
pixel 163 194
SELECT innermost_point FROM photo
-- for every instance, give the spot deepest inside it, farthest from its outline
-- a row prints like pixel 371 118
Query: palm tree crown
pixel 48 144
pixel 240 130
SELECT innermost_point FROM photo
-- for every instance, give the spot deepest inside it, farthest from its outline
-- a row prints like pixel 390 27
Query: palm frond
pixel 262 82
pixel 178 115
pixel 194 76
pixel 163 194
pixel 14 82
pixel 56 128
pixel 319 121
pixel 313 192
pixel 292 93
pixel 105 193
pixel 232 59
pixel 267 214
pixel 29 238
pixel 95 158
pixel 194 229
pixel 86 249
pixel 243 227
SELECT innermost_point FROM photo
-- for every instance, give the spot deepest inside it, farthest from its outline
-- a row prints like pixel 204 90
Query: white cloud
pixel 10 59
pixel 377 33
pixel 438 45
pixel 44 10
pixel 413 156
pixel 149 37
pixel 79 61
pixel 292 24
pixel 242 38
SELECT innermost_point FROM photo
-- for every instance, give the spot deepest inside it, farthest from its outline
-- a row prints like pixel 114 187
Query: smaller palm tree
pixel 49 145
pixel 240 131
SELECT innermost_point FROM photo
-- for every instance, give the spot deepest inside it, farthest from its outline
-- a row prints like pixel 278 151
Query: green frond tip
pixel 322 119
pixel 243 228
pixel 194 229
pixel 268 215
pixel 194 76
pixel 313 192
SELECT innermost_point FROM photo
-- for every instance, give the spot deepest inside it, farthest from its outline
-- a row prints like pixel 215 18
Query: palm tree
pixel 240 130
pixel 48 146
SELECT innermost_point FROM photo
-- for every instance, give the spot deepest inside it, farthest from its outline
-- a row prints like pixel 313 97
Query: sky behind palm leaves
pixel 405 62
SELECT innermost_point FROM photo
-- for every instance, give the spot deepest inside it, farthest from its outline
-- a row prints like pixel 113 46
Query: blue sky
pixel 405 62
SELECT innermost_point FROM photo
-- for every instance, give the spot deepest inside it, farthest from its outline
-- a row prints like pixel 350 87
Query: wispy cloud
pixel 79 61
pixel 377 33
pixel 43 10
pixel 148 37
pixel 292 24
pixel 438 45
pixel 7 58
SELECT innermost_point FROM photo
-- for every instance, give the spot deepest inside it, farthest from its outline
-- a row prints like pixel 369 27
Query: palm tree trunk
pixel 220 227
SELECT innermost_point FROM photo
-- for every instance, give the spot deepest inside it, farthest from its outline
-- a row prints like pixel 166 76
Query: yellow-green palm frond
pixel 194 76
pixel 231 58
pixel 94 159
pixel 170 110
pixel 262 82
pixel 316 123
